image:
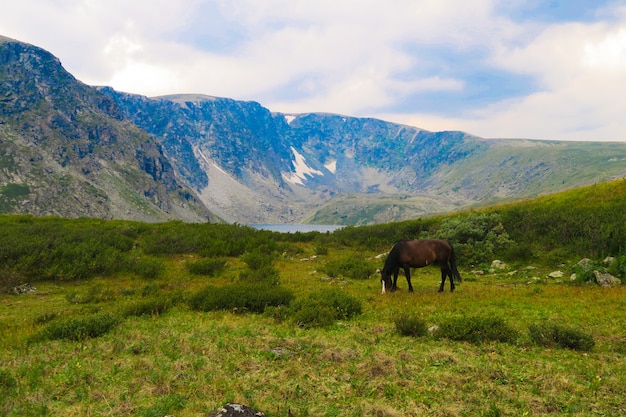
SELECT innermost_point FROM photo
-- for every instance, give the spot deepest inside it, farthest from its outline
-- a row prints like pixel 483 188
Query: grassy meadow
pixel 124 321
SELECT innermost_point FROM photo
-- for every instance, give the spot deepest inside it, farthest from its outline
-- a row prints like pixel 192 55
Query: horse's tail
pixel 452 262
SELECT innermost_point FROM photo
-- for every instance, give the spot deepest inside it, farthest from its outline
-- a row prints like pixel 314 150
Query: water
pixel 293 228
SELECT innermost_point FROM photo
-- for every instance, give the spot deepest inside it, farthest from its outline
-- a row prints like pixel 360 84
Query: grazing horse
pixel 407 254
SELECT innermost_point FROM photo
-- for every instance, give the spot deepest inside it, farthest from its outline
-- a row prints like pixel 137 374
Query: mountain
pixel 67 150
pixel 254 166
pixel 74 150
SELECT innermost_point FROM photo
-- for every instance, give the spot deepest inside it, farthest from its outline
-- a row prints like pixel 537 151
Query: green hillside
pixel 139 319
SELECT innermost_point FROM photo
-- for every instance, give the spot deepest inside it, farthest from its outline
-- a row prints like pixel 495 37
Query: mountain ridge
pixel 197 157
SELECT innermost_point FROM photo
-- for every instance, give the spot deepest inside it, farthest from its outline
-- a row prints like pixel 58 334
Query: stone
pixel 606 280
pixel 23 289
pixel 556 274
pixel 498 264
pixel 236 410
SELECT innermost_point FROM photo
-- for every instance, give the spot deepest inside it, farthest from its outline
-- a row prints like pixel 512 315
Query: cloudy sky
pixel 553 69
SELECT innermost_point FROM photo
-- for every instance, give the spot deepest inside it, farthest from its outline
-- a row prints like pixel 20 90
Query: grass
pixel 188 363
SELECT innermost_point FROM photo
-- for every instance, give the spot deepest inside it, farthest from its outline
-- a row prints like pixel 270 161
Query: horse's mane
pixel 393 258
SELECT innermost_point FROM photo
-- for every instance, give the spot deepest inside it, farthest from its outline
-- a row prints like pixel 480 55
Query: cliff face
pixel 71 152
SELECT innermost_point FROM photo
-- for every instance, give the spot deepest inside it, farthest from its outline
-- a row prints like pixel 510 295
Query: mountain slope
pixel 74 150
pixel 66 149
pixel 328 168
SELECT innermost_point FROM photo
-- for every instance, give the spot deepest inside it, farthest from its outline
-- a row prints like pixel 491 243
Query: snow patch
pixel 210 163
pixel 331 166
pixel 302 170
pixel 289 118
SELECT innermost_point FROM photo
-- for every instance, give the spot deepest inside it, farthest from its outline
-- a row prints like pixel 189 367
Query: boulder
pixel 606 280
pixel 498 264
pixel 556 274
pixel 608 261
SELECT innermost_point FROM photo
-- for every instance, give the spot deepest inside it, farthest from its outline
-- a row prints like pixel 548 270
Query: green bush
pixel 206 266
pixel 618 268
pixel 148 267
pixel 308 316
pixel 79 328
pixel 349 268
pixel 260 270
pixel 411 325
pixel 477 329
pixel 240 297
pixel 94 294
pixel 149 307
pixel 324 307
pixel 554 335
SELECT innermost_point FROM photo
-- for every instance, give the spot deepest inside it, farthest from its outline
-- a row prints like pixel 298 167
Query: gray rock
pixel 236 410
pixel 606 280
pixel 23 289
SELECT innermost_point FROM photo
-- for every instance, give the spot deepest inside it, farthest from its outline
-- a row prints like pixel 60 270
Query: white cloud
pixel 351 57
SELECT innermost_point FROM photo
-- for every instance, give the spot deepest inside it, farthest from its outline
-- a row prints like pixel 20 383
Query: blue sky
pixel 514 69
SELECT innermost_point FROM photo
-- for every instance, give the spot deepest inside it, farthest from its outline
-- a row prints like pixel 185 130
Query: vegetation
pixel 136 319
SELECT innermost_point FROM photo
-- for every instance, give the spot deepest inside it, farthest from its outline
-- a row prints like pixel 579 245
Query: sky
pixel 553 69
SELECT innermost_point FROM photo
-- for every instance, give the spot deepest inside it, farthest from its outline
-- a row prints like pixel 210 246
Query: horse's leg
pixel 443 279
pixel 451 276
pixel 407 272
pixel 394 286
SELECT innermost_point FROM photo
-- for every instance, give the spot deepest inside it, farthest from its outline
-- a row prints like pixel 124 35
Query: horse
pixel 407 254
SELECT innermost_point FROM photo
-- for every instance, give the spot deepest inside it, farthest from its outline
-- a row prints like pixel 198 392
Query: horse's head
pixel 385 280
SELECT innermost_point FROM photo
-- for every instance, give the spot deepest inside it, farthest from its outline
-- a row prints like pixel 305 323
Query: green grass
pixel 187 363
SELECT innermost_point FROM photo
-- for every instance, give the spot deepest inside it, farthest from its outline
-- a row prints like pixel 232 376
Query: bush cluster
pixel 78 328
pixel 477 329
pixel 323 308
pixel 207 266
pixel 240 298
pixel 349 268
pixel 149 307
pixel 554 335
pixel 411 325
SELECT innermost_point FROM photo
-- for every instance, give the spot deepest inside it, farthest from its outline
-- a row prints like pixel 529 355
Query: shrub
pixel 411 325
pixel 554 335
pixel 477 329
pixel 308 316
pixel 79 328
pixel 207 266
pixel 148 268
pixel 149 307
pixel 324 307
pixel 261 269
pixel 349 268
pixel 268 276
pixel 618 268
pixel 94 294
pixel 240 297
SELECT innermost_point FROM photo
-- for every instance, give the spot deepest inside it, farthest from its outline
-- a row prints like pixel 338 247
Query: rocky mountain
pixel 74 150
pixel 67 150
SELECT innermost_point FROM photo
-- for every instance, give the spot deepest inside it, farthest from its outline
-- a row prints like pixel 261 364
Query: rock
pixel 608 261
pixel 236 410
pixel 23 289
pixel 498 264
pixel 583 262
pixel 606 280
pixel 556 274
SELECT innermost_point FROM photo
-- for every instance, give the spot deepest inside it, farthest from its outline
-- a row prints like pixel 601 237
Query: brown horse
pixel 407 254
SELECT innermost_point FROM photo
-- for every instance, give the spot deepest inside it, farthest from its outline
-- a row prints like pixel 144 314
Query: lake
pixel 293 228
